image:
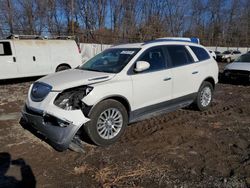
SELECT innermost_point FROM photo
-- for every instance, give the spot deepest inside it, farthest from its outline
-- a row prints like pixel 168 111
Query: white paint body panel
pixel 151 88
pixel 73 78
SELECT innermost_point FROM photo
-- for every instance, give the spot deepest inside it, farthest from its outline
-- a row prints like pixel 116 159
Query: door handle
pixel 195 72
pixel 14 59
pixel 166 79
pixel 34 58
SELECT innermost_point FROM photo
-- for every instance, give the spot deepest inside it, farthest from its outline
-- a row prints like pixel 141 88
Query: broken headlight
pixel 71 99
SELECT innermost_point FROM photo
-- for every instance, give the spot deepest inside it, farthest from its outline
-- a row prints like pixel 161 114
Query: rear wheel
pixel 205 96
pixel 108 122
pixel 62 67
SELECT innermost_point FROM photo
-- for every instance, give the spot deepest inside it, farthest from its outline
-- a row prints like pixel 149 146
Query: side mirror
pixel 141 66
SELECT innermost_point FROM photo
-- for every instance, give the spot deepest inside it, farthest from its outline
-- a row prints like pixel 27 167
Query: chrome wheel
pixel 206 96
pixel 109 123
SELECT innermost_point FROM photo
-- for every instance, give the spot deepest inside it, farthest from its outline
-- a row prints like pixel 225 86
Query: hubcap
pixel 109 123
pixel 206 96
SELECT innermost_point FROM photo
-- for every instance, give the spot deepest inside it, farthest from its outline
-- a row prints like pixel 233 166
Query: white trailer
pixel 36 56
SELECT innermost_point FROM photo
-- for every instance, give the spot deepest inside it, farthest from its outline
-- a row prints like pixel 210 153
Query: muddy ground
pixel 185 148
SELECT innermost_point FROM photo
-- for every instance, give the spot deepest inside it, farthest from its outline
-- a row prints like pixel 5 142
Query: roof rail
pixel 39 37
pixel 177 39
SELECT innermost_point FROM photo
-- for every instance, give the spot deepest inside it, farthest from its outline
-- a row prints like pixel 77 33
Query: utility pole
pixel 10 16
pixel 72 20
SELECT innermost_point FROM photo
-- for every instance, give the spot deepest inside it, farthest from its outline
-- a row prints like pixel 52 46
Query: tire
pixel 106 112
pixel 62 67
pixel 204 96
pixel 228 60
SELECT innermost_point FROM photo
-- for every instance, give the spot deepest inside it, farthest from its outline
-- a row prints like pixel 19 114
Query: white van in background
pixel 24 56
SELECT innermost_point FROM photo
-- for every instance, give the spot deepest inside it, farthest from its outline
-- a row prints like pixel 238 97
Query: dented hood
pixel 73 78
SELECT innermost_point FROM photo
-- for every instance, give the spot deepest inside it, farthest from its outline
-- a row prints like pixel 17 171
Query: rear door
pixel 183 70
pixel 202 68
pixel 25 60
pixel 8 62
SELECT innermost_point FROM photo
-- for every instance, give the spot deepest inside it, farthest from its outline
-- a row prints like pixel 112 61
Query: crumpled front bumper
pixel 58 126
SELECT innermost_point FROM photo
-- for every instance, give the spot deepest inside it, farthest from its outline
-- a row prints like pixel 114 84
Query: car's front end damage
pixel 56 115
pixel 55 108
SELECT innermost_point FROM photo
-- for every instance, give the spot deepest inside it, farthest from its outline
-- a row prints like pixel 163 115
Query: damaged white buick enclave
pixel 121 85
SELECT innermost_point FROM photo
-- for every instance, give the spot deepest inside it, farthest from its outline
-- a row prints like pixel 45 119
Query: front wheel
pixel 108 122
pixel 204 96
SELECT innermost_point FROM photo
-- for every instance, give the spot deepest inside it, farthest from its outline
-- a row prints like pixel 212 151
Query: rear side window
pixel 179 55
pixel 5 49
pixel 200 53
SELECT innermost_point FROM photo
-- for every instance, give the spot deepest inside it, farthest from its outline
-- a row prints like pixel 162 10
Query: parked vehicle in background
pixel 212 53
pixel 228 56
pixel 26 56
pixel 217 52
pixel 121 85
pixel 239 69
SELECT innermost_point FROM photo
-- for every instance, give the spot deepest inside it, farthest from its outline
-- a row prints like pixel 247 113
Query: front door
pixel 153 86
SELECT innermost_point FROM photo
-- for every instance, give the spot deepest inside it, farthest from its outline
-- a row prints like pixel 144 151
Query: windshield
pixel 110 60
pixel 227 52
pixel 243 59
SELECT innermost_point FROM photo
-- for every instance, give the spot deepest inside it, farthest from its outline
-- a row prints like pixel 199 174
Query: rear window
pixel 5 49
pixel 200 53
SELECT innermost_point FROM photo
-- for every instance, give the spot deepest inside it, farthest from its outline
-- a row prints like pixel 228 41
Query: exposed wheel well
pixel 210 80
pixel 63 64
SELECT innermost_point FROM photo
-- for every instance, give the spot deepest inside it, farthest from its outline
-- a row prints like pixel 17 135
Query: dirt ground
pixel 185 148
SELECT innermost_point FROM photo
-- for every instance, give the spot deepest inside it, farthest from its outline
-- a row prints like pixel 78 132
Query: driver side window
pixel 155 58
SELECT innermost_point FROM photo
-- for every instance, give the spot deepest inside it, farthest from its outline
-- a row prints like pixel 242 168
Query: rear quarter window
pixel 200 53
pixel 5 49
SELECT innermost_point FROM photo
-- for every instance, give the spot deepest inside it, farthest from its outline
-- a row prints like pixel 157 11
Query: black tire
pixel 198 101
pixel 91 126
pixel 62 67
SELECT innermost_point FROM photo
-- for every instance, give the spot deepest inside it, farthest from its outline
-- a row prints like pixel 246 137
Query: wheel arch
pixel 124 101
pixel 62 64
pixel 209 79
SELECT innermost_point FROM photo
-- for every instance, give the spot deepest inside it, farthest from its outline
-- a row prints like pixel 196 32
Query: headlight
pixel 39 91
pixel 70 99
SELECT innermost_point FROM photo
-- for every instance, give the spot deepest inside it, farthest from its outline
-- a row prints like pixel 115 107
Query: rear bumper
pixel 57 132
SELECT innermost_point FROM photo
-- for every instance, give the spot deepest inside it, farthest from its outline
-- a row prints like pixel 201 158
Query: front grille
pixel 39 91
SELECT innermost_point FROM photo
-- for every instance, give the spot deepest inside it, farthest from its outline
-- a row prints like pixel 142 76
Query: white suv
pixel 121 85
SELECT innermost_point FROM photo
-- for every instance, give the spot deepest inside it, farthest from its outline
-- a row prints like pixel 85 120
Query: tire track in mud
pixel 179 118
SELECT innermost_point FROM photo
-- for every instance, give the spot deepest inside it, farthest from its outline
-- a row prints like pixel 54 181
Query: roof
pixel 156 42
